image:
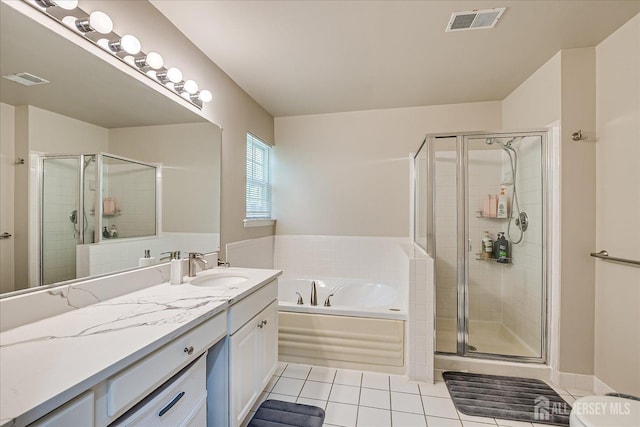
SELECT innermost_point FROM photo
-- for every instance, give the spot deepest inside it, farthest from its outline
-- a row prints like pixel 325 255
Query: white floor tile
pixel 289 386
pixel 439 407
pixel 345 394
pixel 406 402
pixel 372 417
pixel 575 392
pixel 559 389
pixel 475 424
pixel 568 398
pixel 316 390
pixel 403 419
pixel 402 385
pixel 442 422
pixel 313 402
pixel 272 382
pixel 340 414
pixel 374 398
pixel 296 371
pixel 322 374
pixel 283 397
pixel 512 423
pixel 465 417
pixel 280 368
pixel 347 377
pixel 437 389
pixel 375 380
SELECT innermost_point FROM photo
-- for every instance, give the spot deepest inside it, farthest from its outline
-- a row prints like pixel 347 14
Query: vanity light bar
pixel 97 27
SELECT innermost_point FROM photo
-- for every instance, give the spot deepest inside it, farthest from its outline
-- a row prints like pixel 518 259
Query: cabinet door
pixel 268 344
pixel 79 412
pixel 243 369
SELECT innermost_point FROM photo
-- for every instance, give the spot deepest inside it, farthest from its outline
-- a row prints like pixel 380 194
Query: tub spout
pixel 327 303
pixel 314 293
pixel 300 301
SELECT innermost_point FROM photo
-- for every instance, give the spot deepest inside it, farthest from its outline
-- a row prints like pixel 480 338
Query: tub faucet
pixel 314 293
pixel 196 258
pixel 300 301
pixel 327 303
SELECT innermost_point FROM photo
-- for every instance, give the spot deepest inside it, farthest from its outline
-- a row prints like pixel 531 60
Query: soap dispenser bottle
pixel 487 246
pixel 502 204
pixel 502 250
pixel 176 269
pixel 147 260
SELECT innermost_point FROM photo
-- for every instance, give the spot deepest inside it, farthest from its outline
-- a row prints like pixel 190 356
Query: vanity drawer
pixel 135 382
pixel 246 309
pixel 77 412
pixel 174 403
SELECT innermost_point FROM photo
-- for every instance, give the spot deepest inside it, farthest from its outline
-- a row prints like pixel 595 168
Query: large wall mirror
pixel 96 167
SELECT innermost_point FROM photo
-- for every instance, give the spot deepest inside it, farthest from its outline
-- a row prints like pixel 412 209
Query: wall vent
pixel 474 19
pixel 26 79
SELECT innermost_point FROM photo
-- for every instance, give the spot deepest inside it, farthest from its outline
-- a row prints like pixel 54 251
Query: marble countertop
pixel 46 363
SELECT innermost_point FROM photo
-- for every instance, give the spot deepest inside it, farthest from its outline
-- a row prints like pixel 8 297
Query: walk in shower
pixel 90 199
pixel 471 189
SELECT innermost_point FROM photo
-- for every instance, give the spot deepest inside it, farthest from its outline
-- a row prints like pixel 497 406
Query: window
pixel 258 198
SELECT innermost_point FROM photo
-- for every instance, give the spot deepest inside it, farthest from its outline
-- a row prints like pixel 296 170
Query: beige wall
pixel 563 90
pixel 190 157
pixel 232 108
pixel 348 173
pixel 617 340
pixel 7 179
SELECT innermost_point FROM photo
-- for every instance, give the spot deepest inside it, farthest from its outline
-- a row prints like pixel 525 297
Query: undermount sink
pixel 219 280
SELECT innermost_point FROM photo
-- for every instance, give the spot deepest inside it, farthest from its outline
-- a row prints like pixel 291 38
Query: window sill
pixel 250 223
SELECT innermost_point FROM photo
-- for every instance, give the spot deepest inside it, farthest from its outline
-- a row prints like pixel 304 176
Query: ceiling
pixel 309 57
pixel 82 86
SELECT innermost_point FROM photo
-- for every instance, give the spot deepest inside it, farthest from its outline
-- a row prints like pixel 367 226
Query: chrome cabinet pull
pixel 170 404
pixel 189 350
pixel 5 235
pixel 264 321
pixel 260 325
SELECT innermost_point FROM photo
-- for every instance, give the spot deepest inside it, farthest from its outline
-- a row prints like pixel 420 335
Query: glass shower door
pixel 60 220
pixel 504 231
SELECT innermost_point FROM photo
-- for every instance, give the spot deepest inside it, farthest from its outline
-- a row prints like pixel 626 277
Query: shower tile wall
pixel 522 296
pixel 134 193
pixel 61 195
pixel 485 277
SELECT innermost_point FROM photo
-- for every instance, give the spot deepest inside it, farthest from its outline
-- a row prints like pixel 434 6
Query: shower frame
pixel 463 240
pixel 99 159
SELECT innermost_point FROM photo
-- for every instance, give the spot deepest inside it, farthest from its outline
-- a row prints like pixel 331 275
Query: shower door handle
pixel 5 235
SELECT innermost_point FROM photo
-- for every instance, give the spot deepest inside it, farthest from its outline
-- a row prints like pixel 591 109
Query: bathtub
pixel 364 328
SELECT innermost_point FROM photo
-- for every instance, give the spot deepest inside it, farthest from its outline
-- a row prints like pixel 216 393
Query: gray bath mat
pixel 509 398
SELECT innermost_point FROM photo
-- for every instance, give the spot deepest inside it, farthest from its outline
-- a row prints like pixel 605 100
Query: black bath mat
pixel 508 398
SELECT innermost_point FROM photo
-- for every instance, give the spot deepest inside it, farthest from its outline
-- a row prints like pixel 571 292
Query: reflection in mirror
pixel 57 203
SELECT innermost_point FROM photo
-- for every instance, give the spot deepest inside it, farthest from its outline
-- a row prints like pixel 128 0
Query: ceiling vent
pixel 26 79
pixel 474 19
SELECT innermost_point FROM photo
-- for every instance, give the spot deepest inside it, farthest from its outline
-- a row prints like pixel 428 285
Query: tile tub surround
pixel 359 398
pixel 90 344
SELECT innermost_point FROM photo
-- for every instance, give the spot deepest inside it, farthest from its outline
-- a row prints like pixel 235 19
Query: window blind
pixel 258 198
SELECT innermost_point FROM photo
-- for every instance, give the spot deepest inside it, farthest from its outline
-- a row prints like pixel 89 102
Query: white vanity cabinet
pixel 253 349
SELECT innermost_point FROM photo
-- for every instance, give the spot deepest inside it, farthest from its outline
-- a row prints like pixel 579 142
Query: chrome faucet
pixel 300 301
pixel 327 303
pixel 171 255
pixel 314 293
pixel 196 258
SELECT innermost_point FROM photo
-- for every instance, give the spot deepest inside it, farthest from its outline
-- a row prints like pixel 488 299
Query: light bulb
pixel 186 96
pixel 205 96
pixel 174 75
pixel 100 22
pixel 191 87
pixel 154 60
pixel 151 73
pixel 130 44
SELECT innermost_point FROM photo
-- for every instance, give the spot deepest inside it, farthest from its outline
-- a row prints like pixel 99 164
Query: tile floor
pixel 356 398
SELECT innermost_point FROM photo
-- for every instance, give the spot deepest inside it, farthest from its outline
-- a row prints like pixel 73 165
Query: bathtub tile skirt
pixel 339 338
pixel 509 398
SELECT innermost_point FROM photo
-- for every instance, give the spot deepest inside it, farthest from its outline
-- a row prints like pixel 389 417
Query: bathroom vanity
pixel 159 355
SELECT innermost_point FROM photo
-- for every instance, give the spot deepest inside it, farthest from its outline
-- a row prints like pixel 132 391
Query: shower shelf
pixel 479 214
pixel 117 213
pixel 494 260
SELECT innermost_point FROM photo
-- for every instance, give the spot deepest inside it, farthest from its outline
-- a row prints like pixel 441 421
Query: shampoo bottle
pixel 147 260
pixel 502 204
pixel 487 246
pixel 502 251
